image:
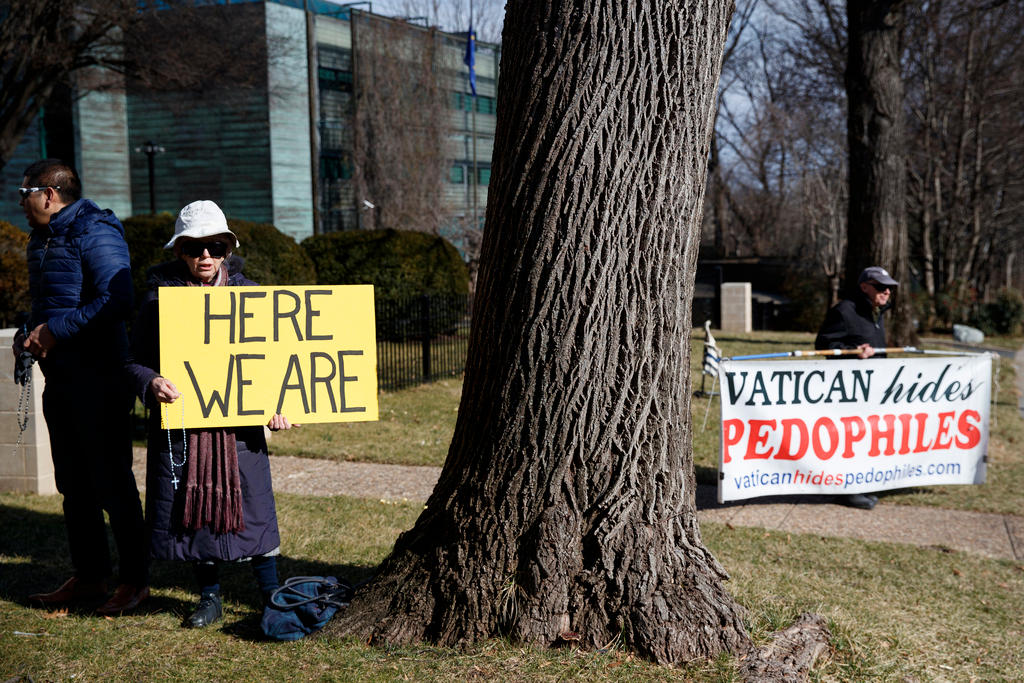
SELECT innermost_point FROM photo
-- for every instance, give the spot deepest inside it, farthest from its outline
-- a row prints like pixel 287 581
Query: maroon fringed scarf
pixel 213 488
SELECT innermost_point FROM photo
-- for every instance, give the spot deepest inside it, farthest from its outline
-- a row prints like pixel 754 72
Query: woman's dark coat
pixel 168 540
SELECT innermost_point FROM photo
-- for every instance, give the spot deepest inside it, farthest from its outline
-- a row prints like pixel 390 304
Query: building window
pixel 486 105
pixel 457 175
pixel 335 168
pixel 464 102
pixel 484 176
pixel 334 79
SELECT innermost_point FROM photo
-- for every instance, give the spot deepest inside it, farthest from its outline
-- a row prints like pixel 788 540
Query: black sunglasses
pixel 216 248
pixel 880 287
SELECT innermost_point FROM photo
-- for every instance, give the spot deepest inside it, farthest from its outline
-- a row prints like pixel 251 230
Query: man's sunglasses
pixel 195 249
pixel 880 287
pixel 26 191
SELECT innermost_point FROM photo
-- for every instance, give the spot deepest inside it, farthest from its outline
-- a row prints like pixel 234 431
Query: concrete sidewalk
pixel 990 535
pixel 981 533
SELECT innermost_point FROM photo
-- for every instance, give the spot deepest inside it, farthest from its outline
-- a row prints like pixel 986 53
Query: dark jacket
pixel 81 287
pixel 168 540
pixel 852 322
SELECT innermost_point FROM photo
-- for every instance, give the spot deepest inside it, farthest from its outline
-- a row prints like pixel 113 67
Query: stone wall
pixel 737 313
pixel 26 467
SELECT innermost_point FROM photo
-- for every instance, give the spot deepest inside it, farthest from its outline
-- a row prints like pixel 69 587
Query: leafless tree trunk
pixel 876 223
pixel 966 139
pixel 565 509
pixel 400 126
pixel 175 45
pixel 41 42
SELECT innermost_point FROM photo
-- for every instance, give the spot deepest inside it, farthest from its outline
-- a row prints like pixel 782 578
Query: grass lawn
pixel 416 425
pixel 415 428
pixel 896 612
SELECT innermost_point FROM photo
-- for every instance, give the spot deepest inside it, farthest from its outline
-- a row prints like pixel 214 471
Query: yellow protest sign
pixel 240 354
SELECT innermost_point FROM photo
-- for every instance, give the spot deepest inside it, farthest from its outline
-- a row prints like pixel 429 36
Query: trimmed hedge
pixel 13 274
pixel 271 257
pixel 398 263
pixel 146 237
pixel 420 282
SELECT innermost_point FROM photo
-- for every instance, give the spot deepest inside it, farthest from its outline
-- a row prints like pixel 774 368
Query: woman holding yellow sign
pixel 208 491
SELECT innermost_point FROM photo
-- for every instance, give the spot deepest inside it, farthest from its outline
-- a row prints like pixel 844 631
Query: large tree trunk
pixel 877 225
pixel 565 509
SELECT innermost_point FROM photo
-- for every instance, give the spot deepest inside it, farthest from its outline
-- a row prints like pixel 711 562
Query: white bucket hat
pixel 200 219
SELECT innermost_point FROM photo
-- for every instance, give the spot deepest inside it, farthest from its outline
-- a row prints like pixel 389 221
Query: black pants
pixel 90 442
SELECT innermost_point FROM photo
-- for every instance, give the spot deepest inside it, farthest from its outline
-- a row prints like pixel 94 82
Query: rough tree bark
pixel 876 218
pixel 565 509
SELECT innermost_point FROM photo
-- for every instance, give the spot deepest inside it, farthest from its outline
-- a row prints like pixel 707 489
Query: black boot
pixel 864 501
pixel 207 611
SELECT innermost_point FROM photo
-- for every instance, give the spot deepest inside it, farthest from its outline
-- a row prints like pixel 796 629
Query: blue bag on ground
pixel 304 605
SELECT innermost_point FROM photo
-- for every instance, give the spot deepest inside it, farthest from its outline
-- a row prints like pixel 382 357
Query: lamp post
pixel 151 151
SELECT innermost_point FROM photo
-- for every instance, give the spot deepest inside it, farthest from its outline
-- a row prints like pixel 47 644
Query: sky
pixel 450 15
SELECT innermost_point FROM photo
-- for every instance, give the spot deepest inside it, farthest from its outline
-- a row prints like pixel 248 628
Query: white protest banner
pixel 240 354
pixel 852 426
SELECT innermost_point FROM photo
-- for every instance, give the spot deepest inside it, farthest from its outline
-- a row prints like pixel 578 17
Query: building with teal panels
pixel 285 152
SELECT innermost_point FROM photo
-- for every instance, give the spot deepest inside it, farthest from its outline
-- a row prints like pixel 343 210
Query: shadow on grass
pixel 707 497
pixel 36 548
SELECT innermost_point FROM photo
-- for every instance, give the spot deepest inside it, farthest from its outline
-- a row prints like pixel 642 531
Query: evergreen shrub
pixel 146 236
pixel 13 274
pixel 808 291
pixel 270 257
pixel 403 266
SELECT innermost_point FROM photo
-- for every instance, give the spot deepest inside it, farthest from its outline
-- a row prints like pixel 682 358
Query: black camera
pixel 23 367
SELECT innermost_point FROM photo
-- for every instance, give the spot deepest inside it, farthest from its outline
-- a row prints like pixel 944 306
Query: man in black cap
pixel 856 323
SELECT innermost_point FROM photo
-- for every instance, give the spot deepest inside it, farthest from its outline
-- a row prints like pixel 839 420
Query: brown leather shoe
pixel 72 590
pixel 125 598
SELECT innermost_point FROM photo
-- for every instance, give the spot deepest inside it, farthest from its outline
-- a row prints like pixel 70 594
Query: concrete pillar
pixel 737 310
pixel 28 467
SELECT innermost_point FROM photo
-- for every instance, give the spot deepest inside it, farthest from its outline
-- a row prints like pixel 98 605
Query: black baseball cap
pixel 877 274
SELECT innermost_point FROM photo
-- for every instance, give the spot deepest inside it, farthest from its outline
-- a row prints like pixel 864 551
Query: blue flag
pixel 470 59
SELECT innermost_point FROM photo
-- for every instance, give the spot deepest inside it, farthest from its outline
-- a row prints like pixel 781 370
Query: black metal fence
pixel 421 339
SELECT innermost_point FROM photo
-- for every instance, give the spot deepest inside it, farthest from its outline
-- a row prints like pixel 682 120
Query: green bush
pixel 808 291
pixel 1005 315
pixel 404 267
pixel 398 263
pixel 146 237
pixel 13 274
pixel 271 257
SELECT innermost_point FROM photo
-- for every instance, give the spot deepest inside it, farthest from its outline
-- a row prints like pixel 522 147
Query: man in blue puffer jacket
pixel 80 283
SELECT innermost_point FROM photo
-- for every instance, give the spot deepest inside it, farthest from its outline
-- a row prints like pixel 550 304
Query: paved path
pixel 982 533
pixel 991 535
